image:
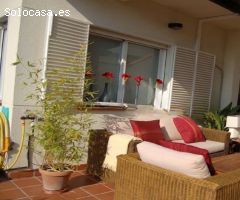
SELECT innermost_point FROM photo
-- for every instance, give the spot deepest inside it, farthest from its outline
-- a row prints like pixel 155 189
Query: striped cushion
pixel 188 129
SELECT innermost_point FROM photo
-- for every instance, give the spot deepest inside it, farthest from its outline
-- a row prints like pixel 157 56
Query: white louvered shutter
pixel 203 84
pixel 183 78
pixel 68 36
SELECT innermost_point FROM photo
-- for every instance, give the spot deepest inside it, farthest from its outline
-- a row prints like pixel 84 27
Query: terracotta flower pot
pixel 54 181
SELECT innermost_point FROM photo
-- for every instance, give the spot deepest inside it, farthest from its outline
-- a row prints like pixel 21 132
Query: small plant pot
pixel 55 182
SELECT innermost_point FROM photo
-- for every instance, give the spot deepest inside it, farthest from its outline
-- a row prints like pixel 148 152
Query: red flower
pixel 126 76
pixel 108 75
pixel 138 79
pixel 159 82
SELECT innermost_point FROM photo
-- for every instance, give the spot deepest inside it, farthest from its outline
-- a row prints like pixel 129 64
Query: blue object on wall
pixel 5 111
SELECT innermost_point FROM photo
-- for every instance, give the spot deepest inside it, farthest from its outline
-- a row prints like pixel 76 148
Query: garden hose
pixel 5 142
pixel 4 139
pixel 20 147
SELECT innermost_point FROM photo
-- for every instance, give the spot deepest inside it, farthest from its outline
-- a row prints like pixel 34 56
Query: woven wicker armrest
pixel 97 148
pixel 218 136
pixel 140 181
pixel 229 184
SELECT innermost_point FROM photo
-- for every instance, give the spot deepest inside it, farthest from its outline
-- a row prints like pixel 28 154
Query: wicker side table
pixel 234 145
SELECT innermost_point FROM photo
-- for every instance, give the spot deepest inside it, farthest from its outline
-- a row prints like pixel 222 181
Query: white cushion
pixel 209 145
pixel 186 163
pixel 169 129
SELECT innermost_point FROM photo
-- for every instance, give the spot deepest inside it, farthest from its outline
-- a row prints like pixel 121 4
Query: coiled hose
pixel 5 142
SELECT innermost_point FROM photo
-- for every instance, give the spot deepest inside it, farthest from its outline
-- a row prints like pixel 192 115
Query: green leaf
pixel 226 110
pixel 16 63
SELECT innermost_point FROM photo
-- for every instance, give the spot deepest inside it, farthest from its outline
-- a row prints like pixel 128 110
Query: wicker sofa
pixel 136 180
pixel 98 146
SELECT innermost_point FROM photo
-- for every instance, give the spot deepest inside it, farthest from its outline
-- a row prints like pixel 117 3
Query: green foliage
pixel 63 118
pixel 217 119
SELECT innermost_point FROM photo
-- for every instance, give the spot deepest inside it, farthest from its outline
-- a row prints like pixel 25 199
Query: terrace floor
pixel 81 186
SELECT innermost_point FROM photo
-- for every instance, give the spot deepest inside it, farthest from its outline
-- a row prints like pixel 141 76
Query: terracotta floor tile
pixel 47 197
pixel 80 187
pixel 15 174
pixel 34 191
pixel 80 192
pixel 26 182
pixel 11 194
pixel 70 195
pixel 37 173
pixel 79 181
pixel 96 189
pixel 55 198
pixel 7 185
pixel 106 196
pixel 110 185
pixel 88 198
pixel 39 178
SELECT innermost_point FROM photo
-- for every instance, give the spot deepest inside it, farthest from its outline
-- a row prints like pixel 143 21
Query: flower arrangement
pixel 126 76
pixel 159 82
pixel 105 97
pixel 108 75
pixel 138 80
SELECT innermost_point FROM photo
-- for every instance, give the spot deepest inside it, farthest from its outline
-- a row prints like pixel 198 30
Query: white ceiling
pixel 195 8
pixel 203 9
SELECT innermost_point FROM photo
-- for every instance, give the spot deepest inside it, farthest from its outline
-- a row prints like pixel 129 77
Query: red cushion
pixel 190 149
pixel 188 129
pixel 147 130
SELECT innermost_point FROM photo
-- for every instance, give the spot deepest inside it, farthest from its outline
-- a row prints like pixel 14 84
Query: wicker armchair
pixel 218 136
pixel 136 180
pixel 98 147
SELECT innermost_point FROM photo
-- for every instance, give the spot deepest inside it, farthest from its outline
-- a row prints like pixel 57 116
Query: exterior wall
pixel 9 4
pixel 29 35
pixel 138 18
pixel 213 41
pixel 231 69
pixel 23 40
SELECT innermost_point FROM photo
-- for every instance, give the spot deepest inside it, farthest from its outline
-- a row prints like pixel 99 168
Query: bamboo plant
pixel 62 123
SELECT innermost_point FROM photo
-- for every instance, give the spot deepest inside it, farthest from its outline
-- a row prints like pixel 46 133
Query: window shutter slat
pixel 68 37
pixel 203 84
pixel 183 80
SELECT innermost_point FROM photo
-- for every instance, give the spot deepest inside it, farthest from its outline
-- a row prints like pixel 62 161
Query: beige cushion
pixel 186 163
pixel 169 129
pixel 209 145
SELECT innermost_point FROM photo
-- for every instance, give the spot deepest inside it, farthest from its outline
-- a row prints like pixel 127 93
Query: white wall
pixel 213 40
pixel 137 17
pixel 231 69
pixel 12 4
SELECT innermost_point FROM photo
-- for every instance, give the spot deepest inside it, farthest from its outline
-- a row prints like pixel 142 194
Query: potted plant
pixel 62 120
